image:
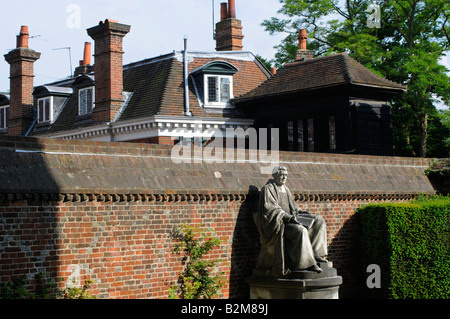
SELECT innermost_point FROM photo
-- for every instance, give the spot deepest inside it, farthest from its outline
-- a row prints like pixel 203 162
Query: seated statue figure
pixel 291 239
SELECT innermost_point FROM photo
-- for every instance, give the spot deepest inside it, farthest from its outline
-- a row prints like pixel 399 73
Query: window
pixel 332 132
pixel 85 101
pixel 45 110
pixel 219 90
pixel 4 117
pixel 290 135
pixel 310 135
pixel 213 83
pixel 300 136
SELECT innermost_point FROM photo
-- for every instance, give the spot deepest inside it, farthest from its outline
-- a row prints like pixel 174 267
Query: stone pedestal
pixel 297 285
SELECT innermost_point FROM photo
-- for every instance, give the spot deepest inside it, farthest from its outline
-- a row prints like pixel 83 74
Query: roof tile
pixel 339 69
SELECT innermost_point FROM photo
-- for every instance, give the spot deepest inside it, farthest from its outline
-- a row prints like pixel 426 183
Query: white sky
pixel 157 27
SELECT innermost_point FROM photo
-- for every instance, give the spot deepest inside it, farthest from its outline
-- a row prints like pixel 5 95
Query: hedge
pixel 410 242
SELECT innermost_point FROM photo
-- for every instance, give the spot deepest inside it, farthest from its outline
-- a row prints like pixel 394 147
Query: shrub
pixel 79 293
pixel 46 289
pixel 410 242
pixel 196 281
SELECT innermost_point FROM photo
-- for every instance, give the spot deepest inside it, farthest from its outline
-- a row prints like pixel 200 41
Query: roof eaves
pixel 286 93
pixel 353 79
pixel 386 87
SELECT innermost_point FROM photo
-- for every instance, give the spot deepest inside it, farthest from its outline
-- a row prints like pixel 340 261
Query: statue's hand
pixel 287 218
pixel 294 220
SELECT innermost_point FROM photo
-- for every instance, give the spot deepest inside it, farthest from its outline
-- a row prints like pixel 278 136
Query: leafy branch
pixel 196 281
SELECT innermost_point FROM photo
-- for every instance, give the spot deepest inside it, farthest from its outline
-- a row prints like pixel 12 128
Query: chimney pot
pixel 223 11
pixel 87 54
pixel 303 53
pixel 231 9
pixel 229 30
pixel 273 70
pixel 22 38
pixel 302 36
pixel 24 30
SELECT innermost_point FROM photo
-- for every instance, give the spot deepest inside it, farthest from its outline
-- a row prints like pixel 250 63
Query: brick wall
pixel 21 62
pixel 229 35
pixel 108 68
pixel 106 210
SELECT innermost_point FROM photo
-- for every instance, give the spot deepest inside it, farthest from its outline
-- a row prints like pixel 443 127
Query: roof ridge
pixel 347 75
pixel 155 59
pixel 313 60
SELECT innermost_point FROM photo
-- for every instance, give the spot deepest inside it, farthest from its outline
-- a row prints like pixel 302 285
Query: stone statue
pixel 292 240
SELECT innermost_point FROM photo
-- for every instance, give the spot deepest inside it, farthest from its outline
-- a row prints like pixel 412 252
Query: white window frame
pixel 4 117
pixel 85 111
pixel 46 118
pixel 219 103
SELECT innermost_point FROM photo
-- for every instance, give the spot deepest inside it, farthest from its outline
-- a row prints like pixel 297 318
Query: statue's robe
pixel 290 246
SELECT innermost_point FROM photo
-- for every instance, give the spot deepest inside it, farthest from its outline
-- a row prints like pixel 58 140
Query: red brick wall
pixel 21 62
pixel 161 140
pixel 109 208
pixel 108 69
pixel 229 35
pixel 125 246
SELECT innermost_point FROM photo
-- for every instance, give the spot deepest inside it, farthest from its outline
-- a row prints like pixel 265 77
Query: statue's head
pixel 280 175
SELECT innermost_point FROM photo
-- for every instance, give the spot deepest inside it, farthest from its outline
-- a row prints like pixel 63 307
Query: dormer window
pixel 219 90
pixel 3 117
pixel 45 113
pixel 85 101
pixel 50 101
pixel 214 84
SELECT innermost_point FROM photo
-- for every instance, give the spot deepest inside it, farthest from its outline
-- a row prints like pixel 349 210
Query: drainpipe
pixel 110 131
pixel 187 111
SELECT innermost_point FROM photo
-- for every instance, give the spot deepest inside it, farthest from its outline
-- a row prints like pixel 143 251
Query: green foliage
pixel 15 289
pixel 46 289
pixel 413 36
pixel 444 116
pixel 411 244
pixel 79 293
pixel 196 281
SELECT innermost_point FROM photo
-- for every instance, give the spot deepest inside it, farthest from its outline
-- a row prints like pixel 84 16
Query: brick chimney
pixel 303 53
pixel 108 68
pixel 21 62
pixel 85 64
pixel 229 29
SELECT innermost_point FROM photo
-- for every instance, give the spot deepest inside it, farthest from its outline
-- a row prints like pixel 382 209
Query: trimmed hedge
pixel 411 244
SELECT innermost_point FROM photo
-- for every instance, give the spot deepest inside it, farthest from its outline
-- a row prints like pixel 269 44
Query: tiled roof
pixel 335 70
pixel 157 85
pixel 115 168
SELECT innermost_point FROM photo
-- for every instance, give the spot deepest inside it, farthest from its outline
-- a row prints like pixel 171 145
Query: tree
pixel 406 47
